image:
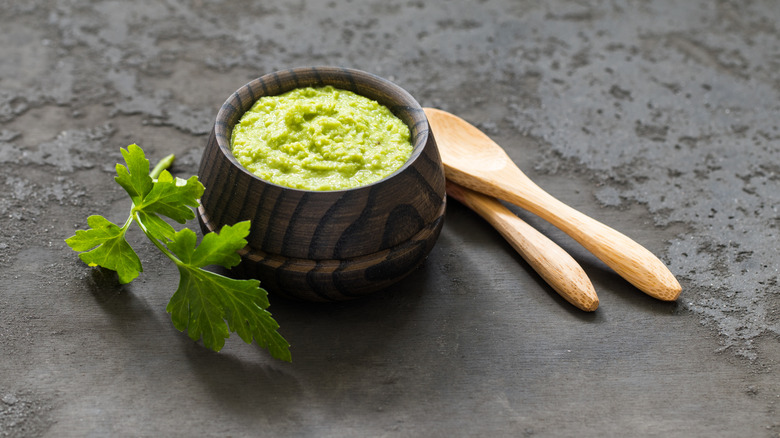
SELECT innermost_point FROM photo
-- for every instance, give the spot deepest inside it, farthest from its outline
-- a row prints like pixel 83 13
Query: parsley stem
pixel 127 224
pixel 162 165
pixel 156 242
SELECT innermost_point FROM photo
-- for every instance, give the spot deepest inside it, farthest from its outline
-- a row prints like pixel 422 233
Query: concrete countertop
pixel 659 118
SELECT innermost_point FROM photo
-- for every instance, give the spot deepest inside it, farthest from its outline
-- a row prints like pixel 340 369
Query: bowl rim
pixel 406 102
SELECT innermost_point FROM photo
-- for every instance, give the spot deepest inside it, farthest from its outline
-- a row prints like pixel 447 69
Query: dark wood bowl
pixel 327 245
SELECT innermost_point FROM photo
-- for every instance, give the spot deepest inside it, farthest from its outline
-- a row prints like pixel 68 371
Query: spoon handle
pixel 552 263
pixel 629 259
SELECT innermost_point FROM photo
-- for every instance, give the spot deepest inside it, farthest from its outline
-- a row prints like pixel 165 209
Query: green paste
pixel 320 139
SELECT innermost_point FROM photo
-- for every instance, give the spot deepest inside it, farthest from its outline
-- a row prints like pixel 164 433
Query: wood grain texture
pixel 473 160
pixel 326 245
pixel 549 260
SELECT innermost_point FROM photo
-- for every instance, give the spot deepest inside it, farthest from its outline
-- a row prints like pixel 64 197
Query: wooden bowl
pixel 327 245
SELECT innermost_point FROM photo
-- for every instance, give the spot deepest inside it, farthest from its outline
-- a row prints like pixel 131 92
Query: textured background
pixel 659 118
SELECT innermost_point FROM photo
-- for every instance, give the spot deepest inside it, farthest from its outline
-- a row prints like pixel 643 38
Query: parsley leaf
pixel 205 299
pixel 173 198
pixel 206 304
pixel 134 177
pixel 167 196
pixel 111 250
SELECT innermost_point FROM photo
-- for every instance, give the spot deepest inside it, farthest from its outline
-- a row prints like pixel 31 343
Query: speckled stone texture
pixel 660 118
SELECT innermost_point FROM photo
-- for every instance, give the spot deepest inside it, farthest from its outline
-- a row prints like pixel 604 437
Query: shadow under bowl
pixel 326 245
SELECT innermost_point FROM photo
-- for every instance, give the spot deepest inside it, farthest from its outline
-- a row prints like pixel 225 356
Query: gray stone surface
pixel 659 118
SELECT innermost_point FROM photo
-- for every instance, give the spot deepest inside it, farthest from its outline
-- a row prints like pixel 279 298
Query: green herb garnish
pixel 206 304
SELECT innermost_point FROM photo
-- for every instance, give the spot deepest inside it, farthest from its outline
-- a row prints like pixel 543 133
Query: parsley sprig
pixel 206 304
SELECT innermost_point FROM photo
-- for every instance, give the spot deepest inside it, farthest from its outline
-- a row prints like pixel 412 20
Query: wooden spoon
pixel 473 160
pixel 554 264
